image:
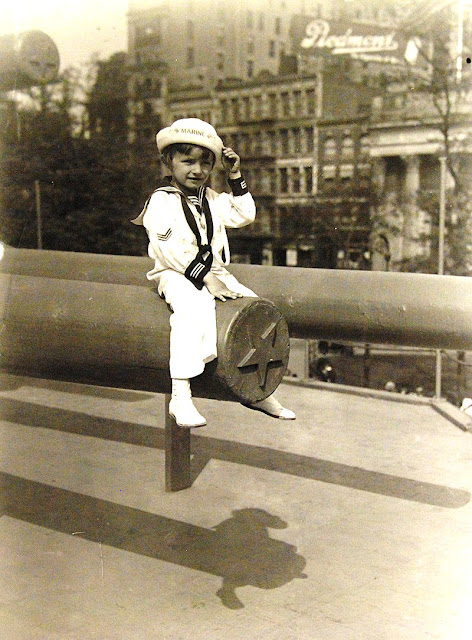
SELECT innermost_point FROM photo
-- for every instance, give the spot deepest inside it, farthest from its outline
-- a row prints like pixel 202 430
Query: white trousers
pixel 193 321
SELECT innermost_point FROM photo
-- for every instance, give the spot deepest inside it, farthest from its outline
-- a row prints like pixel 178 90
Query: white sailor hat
pixel 190 131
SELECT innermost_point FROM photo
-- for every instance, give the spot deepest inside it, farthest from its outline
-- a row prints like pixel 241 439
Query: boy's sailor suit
pixel 187 239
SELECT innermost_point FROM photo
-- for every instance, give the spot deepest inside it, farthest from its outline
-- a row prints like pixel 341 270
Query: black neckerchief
pixel 189 215
pixel 192 222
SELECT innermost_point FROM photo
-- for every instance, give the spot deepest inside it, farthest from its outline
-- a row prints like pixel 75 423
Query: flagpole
pixel 442 215
pixel 39 222
pixel 460 40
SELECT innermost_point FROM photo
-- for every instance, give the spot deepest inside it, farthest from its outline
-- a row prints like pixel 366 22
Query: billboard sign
pixel 365 42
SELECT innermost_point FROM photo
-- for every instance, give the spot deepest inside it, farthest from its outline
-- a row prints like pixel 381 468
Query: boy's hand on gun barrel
pixel 231 162
pixel 219 289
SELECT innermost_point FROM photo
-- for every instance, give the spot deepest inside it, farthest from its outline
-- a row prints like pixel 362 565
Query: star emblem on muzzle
pixel 264 353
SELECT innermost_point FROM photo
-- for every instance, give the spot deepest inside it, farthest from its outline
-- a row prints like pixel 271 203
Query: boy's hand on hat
pixel 219 289
pixel 231 162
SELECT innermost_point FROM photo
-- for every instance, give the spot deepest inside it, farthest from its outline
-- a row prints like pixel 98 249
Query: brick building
pixel 270 121
pixel 204 41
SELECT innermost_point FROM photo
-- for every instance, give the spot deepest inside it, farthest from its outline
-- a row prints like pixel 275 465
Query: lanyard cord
pixel 192 222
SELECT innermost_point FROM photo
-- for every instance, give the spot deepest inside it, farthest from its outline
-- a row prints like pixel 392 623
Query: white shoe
pixel 185 414
pixel 272 407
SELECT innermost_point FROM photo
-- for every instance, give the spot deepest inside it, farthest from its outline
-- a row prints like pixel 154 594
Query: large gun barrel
pixel 411 309
pixel 65 316
pixel 94 318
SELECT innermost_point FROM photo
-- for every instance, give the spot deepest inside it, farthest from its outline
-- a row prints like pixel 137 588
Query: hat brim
pixel 169 136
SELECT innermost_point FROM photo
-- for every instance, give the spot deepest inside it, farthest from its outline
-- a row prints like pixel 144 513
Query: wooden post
pixel 39 222
pixel 177 453
pixel 366 367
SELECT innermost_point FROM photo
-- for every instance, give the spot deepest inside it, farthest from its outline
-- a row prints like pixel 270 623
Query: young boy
pixel 185 222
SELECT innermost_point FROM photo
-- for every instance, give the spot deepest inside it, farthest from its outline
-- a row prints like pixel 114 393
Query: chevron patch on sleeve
pixel 164 236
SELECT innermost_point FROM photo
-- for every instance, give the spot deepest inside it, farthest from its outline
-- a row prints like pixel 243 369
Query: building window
pixel 284 139
pixel 273 104
pixel 250 47
pixel 220 62
pixel 347 148
pixel 297 140
pixel 190 57
pixel 297 101
pixel 244 143
pixel 330 148
pixel 147 34
pixel 277 26
pixel 272 143
pixel 308 171
pixel 264 181
pixel 246 108
pixel 280 254
pixel 309 140
pixel 285 103
pixel 235 109
pixel 346 172
pixel 247 143
pixel 258 177
pixel 257 144
pixel 250 68
pixel 224 111
pixel 295 180
pixel 310 101
pixel 257 106
pixel 147 88
pixel 283 175
pixel 272 49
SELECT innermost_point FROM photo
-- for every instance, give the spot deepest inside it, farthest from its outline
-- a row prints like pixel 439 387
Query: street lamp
pixel 39 222
pixel 442 220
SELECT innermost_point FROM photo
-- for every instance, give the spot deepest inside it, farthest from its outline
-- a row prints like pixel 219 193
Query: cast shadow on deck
pixel 206 448
pixel 239 549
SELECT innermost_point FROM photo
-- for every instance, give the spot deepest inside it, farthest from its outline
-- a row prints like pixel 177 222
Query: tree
pixel 107 100
pixel 91 186
pixel 436 91
pixel 440 29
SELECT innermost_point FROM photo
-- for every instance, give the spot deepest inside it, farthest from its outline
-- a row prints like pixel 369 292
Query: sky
pixel 79 28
